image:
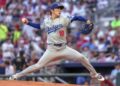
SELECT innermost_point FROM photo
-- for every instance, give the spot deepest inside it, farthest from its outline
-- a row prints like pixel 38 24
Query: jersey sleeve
pixel 68 19
pixel 42 24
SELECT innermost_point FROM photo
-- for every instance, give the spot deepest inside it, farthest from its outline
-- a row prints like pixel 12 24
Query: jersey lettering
pixel 54 28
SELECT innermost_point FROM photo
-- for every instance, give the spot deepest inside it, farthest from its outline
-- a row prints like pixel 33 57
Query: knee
pixel 83 58
pixel 38 65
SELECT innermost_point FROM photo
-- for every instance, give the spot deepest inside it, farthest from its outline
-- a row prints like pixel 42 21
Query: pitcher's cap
pixel 56 5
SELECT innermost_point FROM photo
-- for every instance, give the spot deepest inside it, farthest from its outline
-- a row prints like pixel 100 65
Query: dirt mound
pixel 30 83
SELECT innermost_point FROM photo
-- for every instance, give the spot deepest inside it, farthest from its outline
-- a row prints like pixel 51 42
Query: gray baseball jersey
pixel 56 29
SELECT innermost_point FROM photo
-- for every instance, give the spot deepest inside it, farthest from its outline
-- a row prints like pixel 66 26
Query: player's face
pixel 56 12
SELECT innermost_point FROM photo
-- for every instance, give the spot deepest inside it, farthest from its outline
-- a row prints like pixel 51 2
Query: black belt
pixel 58 45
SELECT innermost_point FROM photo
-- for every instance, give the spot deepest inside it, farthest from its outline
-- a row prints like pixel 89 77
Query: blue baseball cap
pixel 56 5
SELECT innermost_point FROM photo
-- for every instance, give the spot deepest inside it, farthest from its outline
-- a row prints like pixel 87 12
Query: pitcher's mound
pixel 29 83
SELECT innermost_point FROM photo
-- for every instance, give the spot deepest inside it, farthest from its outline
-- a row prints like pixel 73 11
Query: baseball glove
pixel 87 28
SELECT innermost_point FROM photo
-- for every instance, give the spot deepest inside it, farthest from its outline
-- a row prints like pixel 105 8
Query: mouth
pixel 59 13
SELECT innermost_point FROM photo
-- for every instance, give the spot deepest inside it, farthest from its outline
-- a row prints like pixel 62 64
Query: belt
pixel 58 45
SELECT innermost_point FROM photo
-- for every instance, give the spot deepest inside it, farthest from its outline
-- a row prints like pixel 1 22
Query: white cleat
pixel 99 77
pixel 13 77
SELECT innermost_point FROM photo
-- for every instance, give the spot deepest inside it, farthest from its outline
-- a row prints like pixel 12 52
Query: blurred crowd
pixel 23 45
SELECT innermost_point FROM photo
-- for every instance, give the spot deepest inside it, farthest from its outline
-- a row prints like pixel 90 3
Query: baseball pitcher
pixel 56 27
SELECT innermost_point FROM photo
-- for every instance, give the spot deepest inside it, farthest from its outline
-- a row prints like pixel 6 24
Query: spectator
pixel 3 32
pixel 80 80
pixel 102 44
pixel 102 4
pixel 79 9
pixel 8 50
pixel 115 46
pixel 115 24
pixel 91 45
pixel 8 19
pixel 30 33
pixel 112 58
pixel 9 68
pixel 1 56
pixel 107 82
pixel 81 41
pixel 16 34
pixel 19 62
pixel 101 57
pixel 85 51
pixel 114 73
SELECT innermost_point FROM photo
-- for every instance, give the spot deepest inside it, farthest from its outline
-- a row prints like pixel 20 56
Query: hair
pixel 7 62
pixel 51 11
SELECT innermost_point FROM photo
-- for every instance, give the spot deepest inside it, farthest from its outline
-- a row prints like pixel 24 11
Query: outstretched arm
pixel 80 18
pixel 88 24
pixel 37 26
pixel 26 21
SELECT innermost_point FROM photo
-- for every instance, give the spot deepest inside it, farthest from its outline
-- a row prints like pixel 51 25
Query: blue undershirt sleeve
pixel 78 18
pixel 37 26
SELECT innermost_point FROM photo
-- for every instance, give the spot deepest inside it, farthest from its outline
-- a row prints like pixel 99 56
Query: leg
pixel 45 59
pixel 54 63
pixel 76 56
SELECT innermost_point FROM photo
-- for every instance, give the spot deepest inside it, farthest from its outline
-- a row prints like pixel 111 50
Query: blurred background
pixel 22 45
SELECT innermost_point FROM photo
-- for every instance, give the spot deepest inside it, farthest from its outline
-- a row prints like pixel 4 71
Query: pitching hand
pixel 24 20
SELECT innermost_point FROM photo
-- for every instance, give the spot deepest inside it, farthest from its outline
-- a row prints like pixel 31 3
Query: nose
pixel 60 11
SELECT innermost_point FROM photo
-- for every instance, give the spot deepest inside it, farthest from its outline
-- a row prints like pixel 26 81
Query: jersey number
pixel 61 33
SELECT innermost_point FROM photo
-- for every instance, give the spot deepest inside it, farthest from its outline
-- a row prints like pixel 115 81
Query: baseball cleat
pixel 99 77
pixel 13 77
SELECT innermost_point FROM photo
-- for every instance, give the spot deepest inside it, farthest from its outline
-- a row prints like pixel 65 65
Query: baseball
pixel 24 20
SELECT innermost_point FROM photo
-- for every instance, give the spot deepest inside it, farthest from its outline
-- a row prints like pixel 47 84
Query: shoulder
pixel 66 18
pixel 46 19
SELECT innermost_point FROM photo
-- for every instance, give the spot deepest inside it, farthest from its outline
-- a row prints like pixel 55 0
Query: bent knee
pixel 38 65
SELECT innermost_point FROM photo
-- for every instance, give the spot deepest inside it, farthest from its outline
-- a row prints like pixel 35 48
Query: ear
pixel 51 11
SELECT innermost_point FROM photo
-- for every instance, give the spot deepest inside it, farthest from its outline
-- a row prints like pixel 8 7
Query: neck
pixel 53 16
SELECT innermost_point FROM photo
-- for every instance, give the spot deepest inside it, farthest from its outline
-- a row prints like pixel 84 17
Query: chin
pixel 58 14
